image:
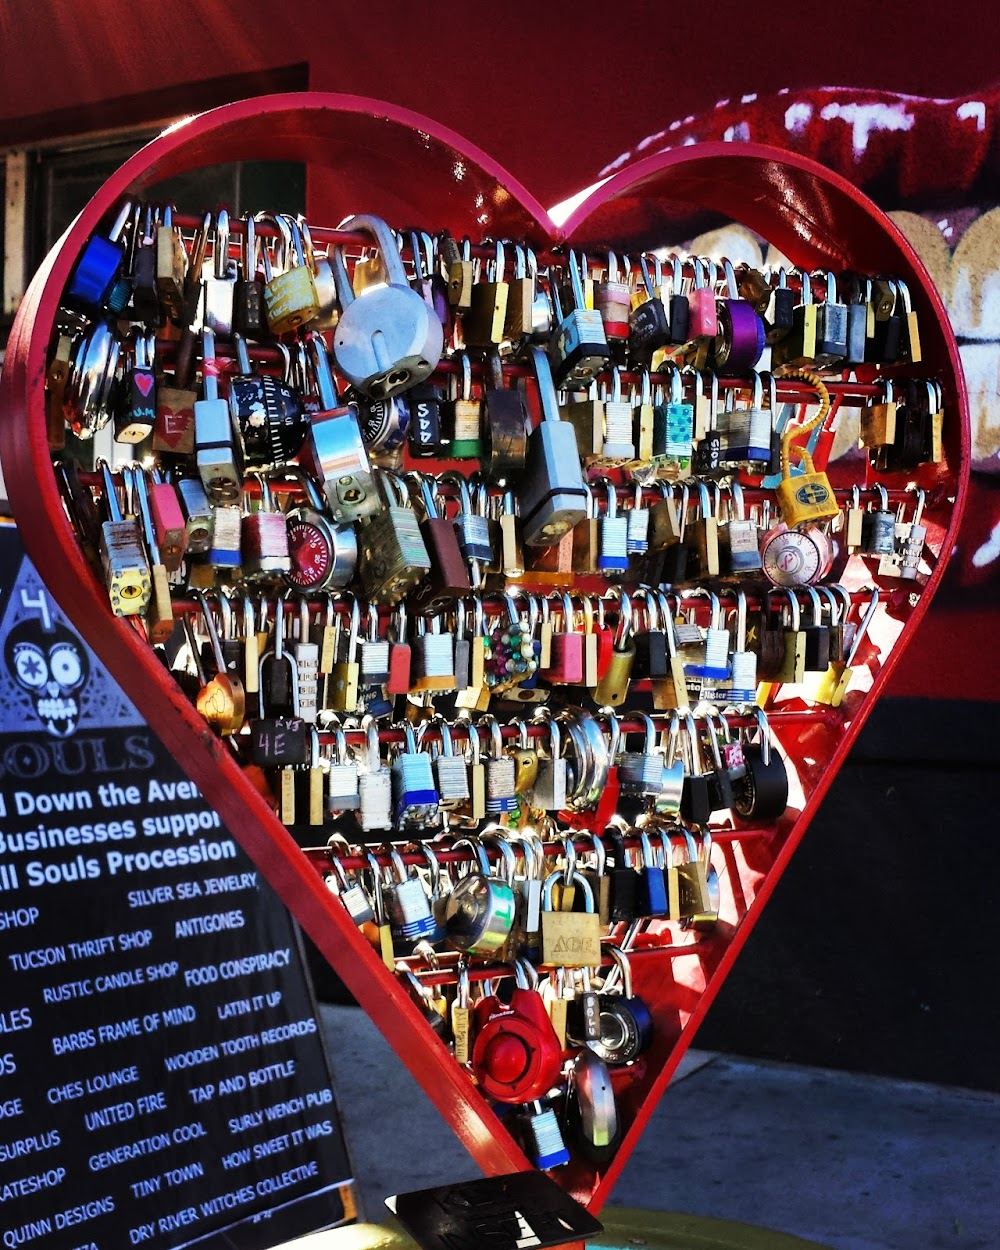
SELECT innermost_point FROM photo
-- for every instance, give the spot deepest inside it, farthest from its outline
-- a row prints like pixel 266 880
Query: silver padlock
pixel 334 450
pixel 220 285
pixel 640 773
pixel 551 782
pixel 450 770
pixel 264 540
pixel 216 455
pixel 343 794
pixel 375 788
pixel 387 339
pixel 414 794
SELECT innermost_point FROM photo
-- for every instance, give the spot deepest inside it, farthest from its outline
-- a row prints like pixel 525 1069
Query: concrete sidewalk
pixel 852 1162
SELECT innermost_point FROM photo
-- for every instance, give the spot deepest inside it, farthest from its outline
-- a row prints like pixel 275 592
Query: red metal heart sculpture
pixel 367 155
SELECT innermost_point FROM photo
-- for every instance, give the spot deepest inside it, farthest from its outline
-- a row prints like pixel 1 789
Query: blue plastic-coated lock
pixel 99 267
pixel 654 886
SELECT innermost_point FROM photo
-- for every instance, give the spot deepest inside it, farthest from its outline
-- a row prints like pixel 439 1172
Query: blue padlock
pixel 99 268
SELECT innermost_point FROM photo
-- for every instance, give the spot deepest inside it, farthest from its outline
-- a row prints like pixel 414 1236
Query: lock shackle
pixel 625 618
pixel 817 604
pixel 565 840
pixel 283 236
pixel 506 852
pixel 137 476
pixel 667 621
pixel 478 853
pixel 320 361
pixel 242 355
pixel 919 508
pixel 557 877
pixel 225 612
pixel 654 620
pixel 379 230
pixel 496 737
pixel 836 607
pixel 647 281
pixel 375 868
pixel 691 730
pixel 793 605
pixel 623 965
pixel 547 395
pixel 402 872
pixel 599 850
pixel 220 246
pixel 862 629
pixel 544 717
pixel 213 634
pixel 445 744
pixel 373 746
pixel 729 273
pixel 879 489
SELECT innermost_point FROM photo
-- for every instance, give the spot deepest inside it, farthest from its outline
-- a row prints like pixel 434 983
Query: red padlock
pixel 516 1056
pixel 566 656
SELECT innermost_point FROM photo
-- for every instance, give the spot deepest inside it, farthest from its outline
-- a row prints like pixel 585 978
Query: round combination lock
pixel 793 558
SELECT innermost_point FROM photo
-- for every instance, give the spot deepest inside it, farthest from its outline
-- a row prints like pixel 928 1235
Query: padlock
pixel 611 690
pixel 277 673
pixel 189 318
pixel 414 794
pixel 741 686
pixel 913 542
pixel 323 555
pixel 290 296
pixel 433 663
pixel 578 348
pixel 612 555
pixel 504 427
pixel 703 536
pixel 739 341
pixel 168 522
pixel 727 758
pixel 878 526
pixel 807 496
pixel 220 285
pixel 472 527
pixel 92 283
pixel 692 880
pixel 351 894
pixel 740 537
pixel 748 433
pixel 249 317
pixel 450 771
pixel 344 668
pixel 551 492
pixel 410 904
pixel 778 314
pixel 624 880
pixel 640 773
pixel 326 287
pixel 591 1114
pixel 483 324
pixel 516 1056
pixel 374 787
pixel 89 396
pixel 817 636
pixel 217 458
pixel 885 339
pixel 221 700
pixel 461 271
pixel 387 339
pixel 382 935
pixel 500 772
pixel 334 451
pixel 612 298
pixel 126 567
pixel 521 296
pixel 342 779
pixel 136 414
pixel 479 911
pixel 625 1022
pixel 649 328
pixel 171 264
pixel 225 537
pixel 448 577
pixel 159 613
pixel 695 801
pixel 392 556
pixel 670 690
pixel 703 317
pixel 831 326
pixel 570 939
pixel 264 535
pixel 793 667
pixel 142 268
pixel 673 432
pixel 465 413
pixel 616 443
pixel 268 417
pixel 374 651
pixel 551 779
pixel 798 347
